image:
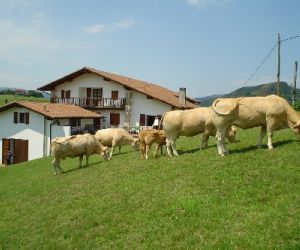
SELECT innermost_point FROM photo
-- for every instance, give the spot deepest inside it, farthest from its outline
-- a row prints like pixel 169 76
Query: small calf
pixel 149 136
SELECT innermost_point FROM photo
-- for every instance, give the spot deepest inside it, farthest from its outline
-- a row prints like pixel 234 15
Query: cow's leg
pixel 148 147
pixel 86 160
pixel 168 146
pixel 142 148
pixel 156 150
pixel 120 149
pixel 56 166
pixel 204 142
pixel 263 132
pixel 173 145
pixel 221 142
pixel 80 161
pixel 270 127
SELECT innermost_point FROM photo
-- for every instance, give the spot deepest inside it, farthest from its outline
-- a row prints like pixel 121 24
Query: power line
pixel 260 65
pixel 290 38
pixel 267 57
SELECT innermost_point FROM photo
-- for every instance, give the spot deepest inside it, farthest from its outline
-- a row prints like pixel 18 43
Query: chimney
pixel 46 108
pixel 182 97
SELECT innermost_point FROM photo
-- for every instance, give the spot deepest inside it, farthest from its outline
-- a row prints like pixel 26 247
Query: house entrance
pixel 18 148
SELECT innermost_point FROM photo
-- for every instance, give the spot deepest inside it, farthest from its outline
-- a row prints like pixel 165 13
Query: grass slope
pixel 12 98
pixel 249 199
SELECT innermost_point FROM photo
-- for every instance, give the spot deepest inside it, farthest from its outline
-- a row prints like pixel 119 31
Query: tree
pixel 34 93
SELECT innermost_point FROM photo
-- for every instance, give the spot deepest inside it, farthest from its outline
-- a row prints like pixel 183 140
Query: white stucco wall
pixel 78 86
pixel 140 103
pixel 33 132
pixel 37 132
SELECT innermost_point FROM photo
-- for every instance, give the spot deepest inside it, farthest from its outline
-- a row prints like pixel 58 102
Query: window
pixel 62 94
pixel 97 93
pixel 114 119
pixel 21 117
pixel 142 119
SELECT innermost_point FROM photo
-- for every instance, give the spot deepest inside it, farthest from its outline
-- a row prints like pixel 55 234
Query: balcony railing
pixel 89 102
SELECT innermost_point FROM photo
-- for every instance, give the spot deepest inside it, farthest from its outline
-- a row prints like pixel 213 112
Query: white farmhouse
pixel 122 101
pixel 28 127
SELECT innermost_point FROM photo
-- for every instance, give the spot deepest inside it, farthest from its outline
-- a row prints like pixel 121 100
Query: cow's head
pixel 231 133
pixel 296 128
pixel 103 151
pixel 135 143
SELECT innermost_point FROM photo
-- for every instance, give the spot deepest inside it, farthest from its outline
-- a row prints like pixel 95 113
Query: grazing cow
pixel 190 123
pixel 73 146
pixel 270 113
pixel 113 137
pixel 149 136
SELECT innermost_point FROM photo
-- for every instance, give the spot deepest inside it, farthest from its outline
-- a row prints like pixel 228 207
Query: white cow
pixel 75 146
pixel 190 123
pixel 113 137
pixel 269 112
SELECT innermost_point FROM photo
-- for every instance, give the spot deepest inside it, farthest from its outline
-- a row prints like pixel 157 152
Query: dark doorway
pixel 18 148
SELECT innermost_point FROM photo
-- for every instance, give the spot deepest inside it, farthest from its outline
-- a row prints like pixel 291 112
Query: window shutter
pixel 142 119
pixel 114 119
pixel 114 95
pixel 68 94
pixel 15 117
pixel 27 118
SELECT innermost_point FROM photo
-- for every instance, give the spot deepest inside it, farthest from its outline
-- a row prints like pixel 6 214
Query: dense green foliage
pixel 249 199
pixel 259 90
pixel 7 98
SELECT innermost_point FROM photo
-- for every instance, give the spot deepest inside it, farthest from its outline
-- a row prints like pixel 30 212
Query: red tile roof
pixel 53 110
pixel 152 90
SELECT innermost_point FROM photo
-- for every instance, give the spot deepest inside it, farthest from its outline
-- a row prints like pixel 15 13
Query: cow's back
pixel 186 122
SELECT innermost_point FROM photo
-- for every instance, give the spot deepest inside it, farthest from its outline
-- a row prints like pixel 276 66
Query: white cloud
pixel 205 3
pixel 99 28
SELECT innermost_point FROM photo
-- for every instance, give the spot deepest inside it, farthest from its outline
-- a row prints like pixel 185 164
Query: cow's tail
pixel 228 110
pixel 160 125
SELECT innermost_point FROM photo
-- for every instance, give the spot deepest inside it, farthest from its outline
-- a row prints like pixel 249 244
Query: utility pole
pixel 278 66
pixel 294 89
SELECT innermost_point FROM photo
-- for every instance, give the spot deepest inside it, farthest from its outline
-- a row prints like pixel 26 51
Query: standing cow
pixel 270 113
pixel 190 123
pixel 113 137
pixel 75 146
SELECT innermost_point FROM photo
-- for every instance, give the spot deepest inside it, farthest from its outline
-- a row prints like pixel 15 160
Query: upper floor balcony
pixel 90 102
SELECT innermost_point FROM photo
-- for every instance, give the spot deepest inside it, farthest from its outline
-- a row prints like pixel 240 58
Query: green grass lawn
pixel 12 98
pixel 249 199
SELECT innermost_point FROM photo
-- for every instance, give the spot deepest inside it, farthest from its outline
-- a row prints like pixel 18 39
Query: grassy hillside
pixel 249 199
pixel 259 90
pixel 12 98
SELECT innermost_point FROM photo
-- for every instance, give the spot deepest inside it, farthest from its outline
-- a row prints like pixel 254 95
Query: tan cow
pixel 75 146
pixel 113 137
pixel 149 136
pixel 270 113
pixel 190 123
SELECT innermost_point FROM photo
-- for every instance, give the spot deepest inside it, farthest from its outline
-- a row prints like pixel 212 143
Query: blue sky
pixel 208 46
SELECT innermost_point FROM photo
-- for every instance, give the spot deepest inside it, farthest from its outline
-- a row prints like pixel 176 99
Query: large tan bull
pixel 75 146
pixel 190 123
pixel 269 112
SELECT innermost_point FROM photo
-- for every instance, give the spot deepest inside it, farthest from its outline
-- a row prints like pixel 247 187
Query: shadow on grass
pixel 254 147
pixel 83 167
